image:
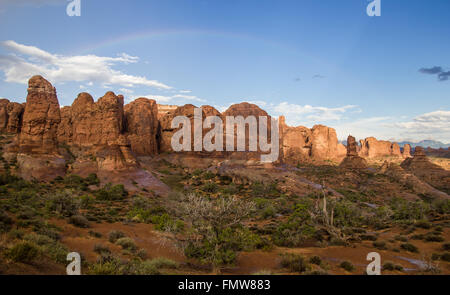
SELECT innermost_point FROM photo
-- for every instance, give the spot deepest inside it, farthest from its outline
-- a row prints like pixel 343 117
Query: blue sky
pixel 316 62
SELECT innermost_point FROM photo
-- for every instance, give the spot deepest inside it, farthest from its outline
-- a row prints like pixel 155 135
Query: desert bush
pixel 445 257
pixel 409 247
pixel 95 234
pixel 389 266
pixel 49 246
pixel 92 179
pixel 141 253
pixel 409 211
pixel 434 238
pixel 162 262
pixel 6 222
pixel 101 249
pixel 62 203
pixel 347 265
pixel 111 192
pixel 295 263
pixel 210 187
pixel 368 237
pixel 423 224
pixel 25 252
pixel 446 246
pixel 315 260
pixel 218 223
pixel 114 235
pixel 380 245
pixel 79 221
pixel 401 238
pixel 126 243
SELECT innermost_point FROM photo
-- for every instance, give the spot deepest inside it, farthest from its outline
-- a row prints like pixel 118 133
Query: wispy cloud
pixel 26 61
pixel 311 113
pixel 179 98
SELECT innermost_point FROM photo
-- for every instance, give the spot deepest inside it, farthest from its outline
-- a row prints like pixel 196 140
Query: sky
pixel 315 62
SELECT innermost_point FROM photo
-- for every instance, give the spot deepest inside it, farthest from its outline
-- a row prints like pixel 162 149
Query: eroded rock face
pixel 406 151
pixel 40 119
pixel 11 114
pixel 353 160
pixel 373 148
pixel 97 129
pixel 299 144
pixel 294 143
pixel 324 143
pixel 141 124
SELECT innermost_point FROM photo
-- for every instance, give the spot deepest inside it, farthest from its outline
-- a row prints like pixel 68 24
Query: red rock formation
pixel 395 150
pixel 40 119
pixel 324 143
pixel 373 148
pixel 141 125
pixel 36 149
pixel 293 143
pixel 11 114
pixel 406 151
pixel 300 144
pixel 97 128
pixel 353 160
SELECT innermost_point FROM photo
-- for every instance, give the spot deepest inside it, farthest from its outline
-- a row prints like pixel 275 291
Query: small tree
pixel 215 232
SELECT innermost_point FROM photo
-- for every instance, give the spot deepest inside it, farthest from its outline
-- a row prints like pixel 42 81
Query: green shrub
pixel 6 222
pixel 446 246
pixel 401 238
pixel 126 243
pixel 79 221
pixel 100 249
pixel 433 238
pixel 162 262
pixel 295 263
pixel 25 252
pixel 114 235
pixel 315 260
pixel 63 203
pixel 92 179
pixel 380 245
pixel 111 192
pixel 368 237
pixel 409 247
pixel 210 187
pixel 389 266
pixel 445 257
pixel 423 224
pixel 347 265
pixel 95 234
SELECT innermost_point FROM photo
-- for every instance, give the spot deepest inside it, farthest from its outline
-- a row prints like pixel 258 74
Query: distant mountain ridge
pixel 426 143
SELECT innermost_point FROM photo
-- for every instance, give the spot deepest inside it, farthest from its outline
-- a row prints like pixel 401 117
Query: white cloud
pixel 185 91
pixel 434 125
pixel 166 98
pixel 189 97
pixel 26 61
pixel 126 91
pixel 308 113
